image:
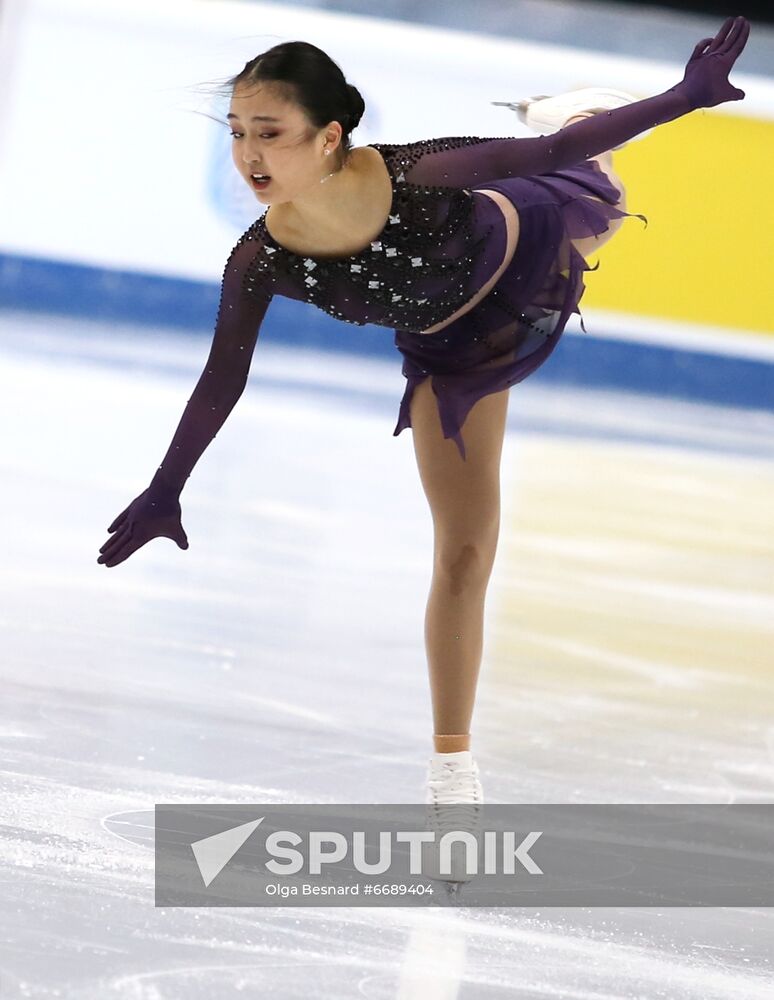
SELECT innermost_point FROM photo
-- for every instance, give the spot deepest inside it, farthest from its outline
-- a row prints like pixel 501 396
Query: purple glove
pixel 705 83
pixel 153 514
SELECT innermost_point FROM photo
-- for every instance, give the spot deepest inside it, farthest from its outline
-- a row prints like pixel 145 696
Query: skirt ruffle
pixel 516 326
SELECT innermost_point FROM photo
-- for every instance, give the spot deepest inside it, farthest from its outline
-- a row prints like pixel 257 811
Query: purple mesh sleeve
pixel 492 159
pixel 244 299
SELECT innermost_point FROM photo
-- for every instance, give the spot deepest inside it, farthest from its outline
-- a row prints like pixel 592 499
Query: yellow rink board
pixel 704 182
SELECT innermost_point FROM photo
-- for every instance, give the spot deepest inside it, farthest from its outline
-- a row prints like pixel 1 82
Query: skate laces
pixel 454 797
pixel 448 781
pixel 454 803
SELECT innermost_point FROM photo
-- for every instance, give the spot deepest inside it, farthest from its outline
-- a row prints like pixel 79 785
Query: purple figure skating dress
pixel 441 242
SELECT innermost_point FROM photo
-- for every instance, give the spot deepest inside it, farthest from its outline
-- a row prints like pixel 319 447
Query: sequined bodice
pixel 416 273
pixel 435 252
pixel 430 258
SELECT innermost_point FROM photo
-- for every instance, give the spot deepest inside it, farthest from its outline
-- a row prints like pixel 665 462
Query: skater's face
pixel 274 137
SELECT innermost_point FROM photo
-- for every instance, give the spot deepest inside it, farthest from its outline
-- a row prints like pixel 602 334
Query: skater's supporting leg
pixel 464 498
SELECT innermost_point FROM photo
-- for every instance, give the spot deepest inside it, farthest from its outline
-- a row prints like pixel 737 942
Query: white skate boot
pixel 545 114
pixel 454 802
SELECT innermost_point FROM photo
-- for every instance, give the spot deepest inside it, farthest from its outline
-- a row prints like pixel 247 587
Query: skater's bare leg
pixel 464 499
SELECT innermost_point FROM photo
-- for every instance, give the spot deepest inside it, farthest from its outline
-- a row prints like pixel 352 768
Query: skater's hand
pixel 706 83
pixel 150 515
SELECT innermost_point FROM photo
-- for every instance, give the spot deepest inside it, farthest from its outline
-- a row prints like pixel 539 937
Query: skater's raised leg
pixel 591 244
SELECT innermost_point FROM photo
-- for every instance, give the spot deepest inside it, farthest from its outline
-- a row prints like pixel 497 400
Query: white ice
pixel 280 659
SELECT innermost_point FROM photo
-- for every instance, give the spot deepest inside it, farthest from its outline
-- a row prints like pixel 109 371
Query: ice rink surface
pixel 628 658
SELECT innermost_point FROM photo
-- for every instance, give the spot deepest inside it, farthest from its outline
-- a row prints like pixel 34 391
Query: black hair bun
pixel 357 106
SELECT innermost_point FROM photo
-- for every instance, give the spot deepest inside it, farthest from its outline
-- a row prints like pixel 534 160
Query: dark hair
pixel 305 75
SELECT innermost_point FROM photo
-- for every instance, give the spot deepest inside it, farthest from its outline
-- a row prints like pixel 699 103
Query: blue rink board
pixel 41 285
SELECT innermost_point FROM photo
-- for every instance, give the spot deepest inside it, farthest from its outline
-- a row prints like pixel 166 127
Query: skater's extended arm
pixel 224 375
pixel 476 160
pixel 156 511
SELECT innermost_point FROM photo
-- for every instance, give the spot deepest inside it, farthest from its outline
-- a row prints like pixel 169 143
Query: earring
pixel 327 151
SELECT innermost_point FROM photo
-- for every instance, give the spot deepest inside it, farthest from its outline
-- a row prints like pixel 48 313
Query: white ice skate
pixel 454 802
pixel 545 114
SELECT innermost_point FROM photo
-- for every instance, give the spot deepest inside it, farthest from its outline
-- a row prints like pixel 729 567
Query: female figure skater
pixel 472 249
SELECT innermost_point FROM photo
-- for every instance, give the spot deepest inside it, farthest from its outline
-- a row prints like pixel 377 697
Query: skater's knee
pixel 464 565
